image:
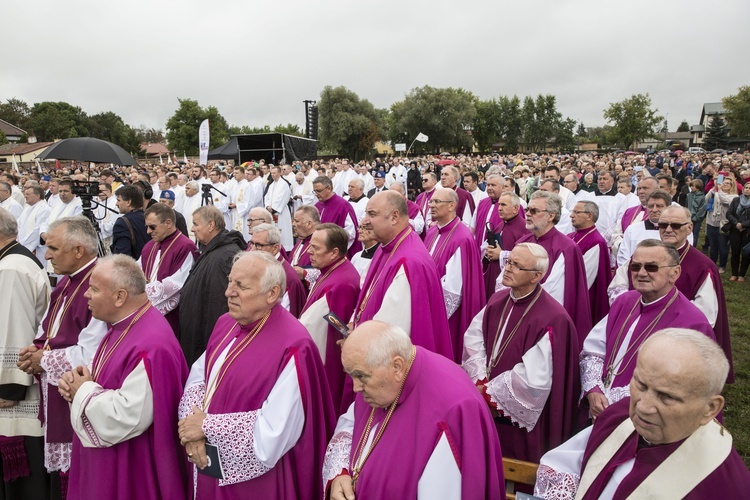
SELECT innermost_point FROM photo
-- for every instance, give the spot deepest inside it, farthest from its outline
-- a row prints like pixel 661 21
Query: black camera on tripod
pixel 85 189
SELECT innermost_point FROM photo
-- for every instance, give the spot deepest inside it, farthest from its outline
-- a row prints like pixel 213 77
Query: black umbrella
pixel 88 149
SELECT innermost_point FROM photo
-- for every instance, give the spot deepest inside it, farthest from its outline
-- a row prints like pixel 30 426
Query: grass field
pixel 737 409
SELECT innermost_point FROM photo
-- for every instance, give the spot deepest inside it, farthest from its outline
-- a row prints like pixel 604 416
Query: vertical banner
pixel 203 139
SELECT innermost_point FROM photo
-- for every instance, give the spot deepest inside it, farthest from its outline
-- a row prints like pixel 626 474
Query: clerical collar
pixel 441 228
pixel 644 303
pixel 83 268
pixel 357 199
pixel 368 253
pixel 516 299
pixel 129 315
pixel 650 225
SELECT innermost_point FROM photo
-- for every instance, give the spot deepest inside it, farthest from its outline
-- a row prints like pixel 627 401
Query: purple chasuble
pixel 303 259
pixel 507 233
pixel 575 295
pixel 454 236
pixel 559 418
pixel 66 300
pixel 730 480
pixel 177 247
pixel 680 314
pixel 335 210
pixel 631 215
pixel 586 239
pixel 247 384
pixel 413 210
pixel 294 287
pixel 422 201
pixel 438 398
pixel 429 321
pixel 486 207
pixel 153 464
pixel 340 289
pixel 464 198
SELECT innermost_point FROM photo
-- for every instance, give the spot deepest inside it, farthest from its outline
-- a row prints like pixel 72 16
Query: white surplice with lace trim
pixel 452 280
pixel 250 443
pixel 440 479
pixel 521 392
pixel 165 294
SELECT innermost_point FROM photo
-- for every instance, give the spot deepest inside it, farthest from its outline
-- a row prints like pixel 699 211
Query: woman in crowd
pixel 696 203
pixel 738 216
pixel 720 198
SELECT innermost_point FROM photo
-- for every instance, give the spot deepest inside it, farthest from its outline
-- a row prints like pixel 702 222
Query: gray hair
pixel 591 208
pixel 515 200
pixel 210 213
pixel 672 253
pixel 8 224
pixel 311 211
pixel 358 182
pixel 125 274
pixel 493 170
pixel 451 194
pixel 715 364
pixel 553 184
pixel 390 341
pixel 273 271
pixel 677 208
pixel 541 255
pixel 262 213
pixel 274 234
pixel 553 203
pixel 78 230
pixel 193 185
pixel 325 181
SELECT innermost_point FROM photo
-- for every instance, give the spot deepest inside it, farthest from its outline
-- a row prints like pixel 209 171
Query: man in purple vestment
pixel 661 442
pixel 335 291
pixel 522 353
pixel 166 261
pixel 124 408
pixel 412 399
pixel 258 394
pixel 449 177
pixel 459 267
pixel 566 278
pixel 634 214
pixel 429 182
pixel 267 238
pixel 609 352
pixel 335 209
pixel 402 286
pixel 511 228
pixel 595 256
pixel 68 337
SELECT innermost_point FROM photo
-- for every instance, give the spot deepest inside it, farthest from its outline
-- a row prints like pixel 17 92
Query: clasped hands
pixel 71 381
pixel 30 360
pixel 190 431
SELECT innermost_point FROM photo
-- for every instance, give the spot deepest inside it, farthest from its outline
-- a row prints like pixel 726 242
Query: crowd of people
pixel 377 329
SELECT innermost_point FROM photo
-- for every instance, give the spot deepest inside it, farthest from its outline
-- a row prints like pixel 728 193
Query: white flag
pixel 15 165
pixel 161 162
pixel 184 157
pixel 204 138
pixel 421 137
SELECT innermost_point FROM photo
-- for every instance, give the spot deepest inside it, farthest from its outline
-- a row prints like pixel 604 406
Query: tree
pixel 511 112
pixel 3 138
pixel 716 134
pixel 633 120
pixel 684 127
pixel 445 115
pixel 57 120
pixel 16 112
pixel 150 135
pixel 110 127
pixel 348 125
pixel 488 124
pixel 737 109
pixel 182 127
pixel 564 138
pixel 581 130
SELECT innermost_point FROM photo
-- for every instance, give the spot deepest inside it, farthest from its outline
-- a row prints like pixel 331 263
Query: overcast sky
pixel 258 60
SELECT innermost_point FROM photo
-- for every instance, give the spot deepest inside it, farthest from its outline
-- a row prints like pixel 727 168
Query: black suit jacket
pixel 122 242
pixel 372 192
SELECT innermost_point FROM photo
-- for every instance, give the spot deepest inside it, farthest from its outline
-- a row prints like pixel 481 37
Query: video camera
pixel 85 189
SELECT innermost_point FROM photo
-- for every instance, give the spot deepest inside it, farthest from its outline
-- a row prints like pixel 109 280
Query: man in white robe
pixel 648 229
pixel 276 201
pixel 34 214
pixel 8 202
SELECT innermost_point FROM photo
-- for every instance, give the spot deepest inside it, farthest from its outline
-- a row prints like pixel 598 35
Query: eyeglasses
pixel 650 267
pixel 511 263
pixel 318 191
pixel 256 220
pixel 676 226
pixel 426 179
pixel 437 202
pixel 261 245
pixel 534 211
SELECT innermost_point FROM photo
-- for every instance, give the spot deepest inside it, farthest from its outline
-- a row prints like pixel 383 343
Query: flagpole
pixel 410 145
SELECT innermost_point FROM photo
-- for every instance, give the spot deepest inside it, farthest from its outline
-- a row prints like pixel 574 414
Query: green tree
pixel 565 139
pixel 16 112
pixel 110 127
pixel 57 120
pixel 684 127
pixel 182 127
pixel 512 121
pixel 738 112
pixel 488 124
pixel 716 134
pixel 289 129
pixel 633 120
pixel 581 130
pixel 152 135
pixel 445 115
pixel 347 125
pixel 3 138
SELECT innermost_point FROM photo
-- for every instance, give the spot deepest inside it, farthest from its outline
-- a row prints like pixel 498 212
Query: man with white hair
pixel 407 394
pixel 123 407
pixel 24 295
pixel 258 396
pixel 660 442
pixel 521 351
pixel 34 214
pixel 8 202
pixel 357 198
pixel 449 178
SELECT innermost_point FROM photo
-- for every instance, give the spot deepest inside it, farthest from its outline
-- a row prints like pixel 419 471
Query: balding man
pixel 451 246
pixel 68 335
pixel 8 202
pixel 124 406
pixel 449 177
pixel 305 220
pixel 35 213
pixel 201 301
pixel 357 198
pixel 699 278
pixel 190 204
pixel 335 209
pixel 634 214
pixel 267 238
pixel 402 286
pixel 416 219
pixel 258 396
pixel 406 394
pixel 522 353
pixel 24 295
pixel 660 442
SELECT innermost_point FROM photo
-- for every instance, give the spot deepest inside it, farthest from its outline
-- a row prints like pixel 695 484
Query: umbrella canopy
pixel 88 149
pixel 446 162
